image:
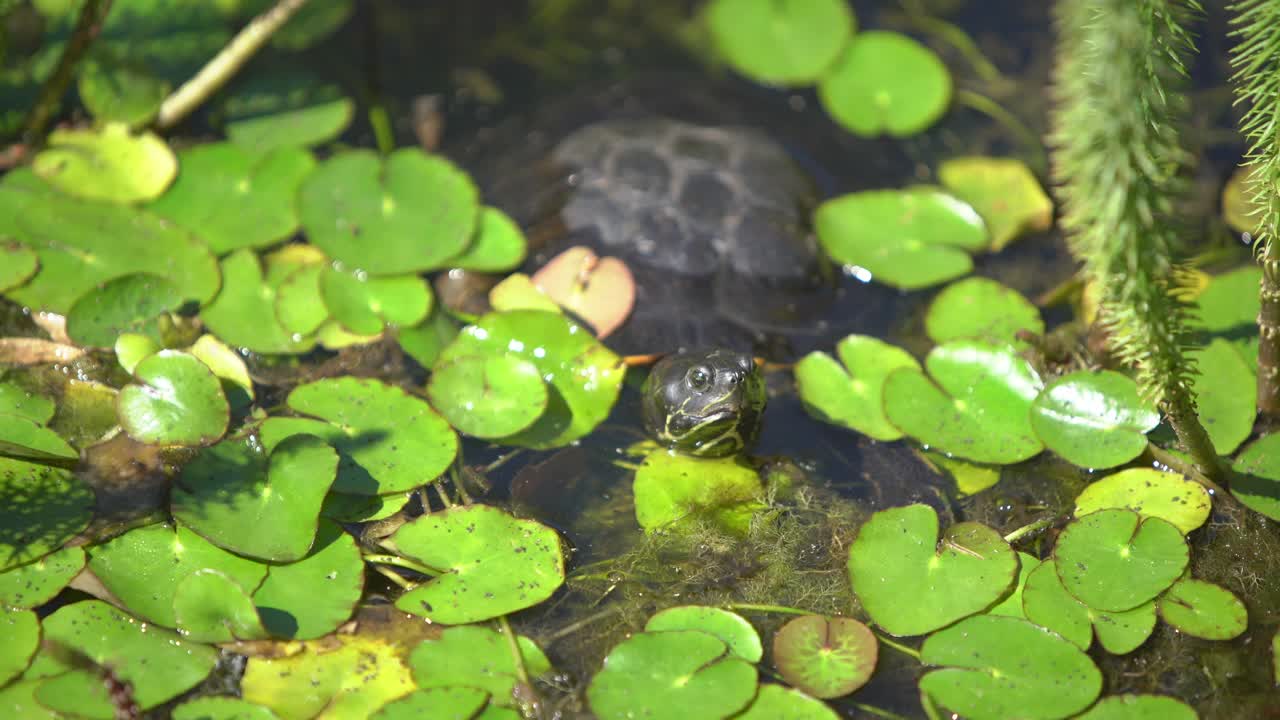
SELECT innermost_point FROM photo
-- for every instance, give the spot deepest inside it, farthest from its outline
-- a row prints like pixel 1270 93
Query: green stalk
pixel 92 14
pixel 1119 164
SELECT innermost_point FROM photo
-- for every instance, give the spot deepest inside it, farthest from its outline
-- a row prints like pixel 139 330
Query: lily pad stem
pixel 1029 528
pixel 401 562
pixel 574 627
pixel 1168 459
pixel 218 71
pixel 957 38
pixel 393 577
pixel 1039 160
pixel 768 608
pixel 517 657
pixel 904 649
pixel 92 13
pixel 444 496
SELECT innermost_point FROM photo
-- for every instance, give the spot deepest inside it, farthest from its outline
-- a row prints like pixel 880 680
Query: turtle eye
pixel 699 378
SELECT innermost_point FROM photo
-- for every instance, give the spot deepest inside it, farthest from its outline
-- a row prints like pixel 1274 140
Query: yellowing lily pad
pixel 802 37
pixel 346 676
pixel 1003 191
pixel 886 83
pixel 851 392
pixel 477 657
pixel 176 401
pixel 1115 560
pixel 672 487
pixel 1150 493
pixel 825 657
pixel 1093 419
pixel 488 396
pixel 1204 610
pixel 107 163
pixel 981 309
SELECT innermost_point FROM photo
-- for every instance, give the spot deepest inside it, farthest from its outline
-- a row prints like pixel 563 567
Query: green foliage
pixel 1256 59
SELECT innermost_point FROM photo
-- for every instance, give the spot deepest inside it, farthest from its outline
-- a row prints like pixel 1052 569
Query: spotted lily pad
pixel 490 563
pixel 1226 394
pixel 998 667
pixel 488 396
pixel 911 582
pixel 1049 605
pixel 1093 419
pixel 651 672
pixel 775 702
pixel 1011 605
pixel 222 707
pixel 129 303
pixel 285 108
pixel 977 404
pixel 233 198
pixel 442 703
pixel 107 163
pixel 1115 560
pixel 909 239
pixel 241 501
pixel 21 632
pixel 851 392
pixel 1139 707
pixel 497 246
pixel 236 316
pixel 804 37
pixel 583 375
pixel 41 508
pixel 1004 191
pixel 732 628
pixel 672 487
pixel 476 657
pixel 981 309
pixel 1150 493
pixel 886 83
pixel 1257 484
pixel 345 676
pixel 387 440
pixel 36 583
pixel 408 213
pixel 177 401
pixel 210 607
pixel 825 657
pixel 310 598
pixel 1204 610
pixel 364 304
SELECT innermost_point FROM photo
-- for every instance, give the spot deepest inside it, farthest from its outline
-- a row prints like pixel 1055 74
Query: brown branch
pixel 86 30
pixel 1269 341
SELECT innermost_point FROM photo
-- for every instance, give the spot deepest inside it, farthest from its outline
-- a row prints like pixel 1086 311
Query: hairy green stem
pixel 92 13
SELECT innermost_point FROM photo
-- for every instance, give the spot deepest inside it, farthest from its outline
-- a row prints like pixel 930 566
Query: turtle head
pixel 706 403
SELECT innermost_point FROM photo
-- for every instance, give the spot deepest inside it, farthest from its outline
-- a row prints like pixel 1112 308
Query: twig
pixel 86 30
pixel 224 65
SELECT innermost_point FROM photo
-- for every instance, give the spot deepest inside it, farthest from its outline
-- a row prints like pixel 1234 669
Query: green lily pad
pixel 82 245
pixel 41 508
pixel 425 341
pixel 346 676
pixel 490 563
pixel 300 307
pixel 313 596
pixel 236 316
pixel 1093 419
pixel 803 37
pixel 517 291
pixel 210 607
pixel 241 501
pixel 21 632
pixel 909 239
pixel 363 508
pixel 732 628
pixel 222 708
pixel 1226 394
pixel 1049 605
pixel 177 401
pixel 1139 707
pixel 1005 193
pixel 911 583
pixel 19 699
pixel 22 439
pixel 650 673
pixel 488 396
pixel 228 366
pixel 977 404
pixel 156 663
pixel 497 246
pixel 1115 560
pixel 132 348
pixel 34 584
pixel 144 567
pixel 1257 483
pixel 999 667
pixel 15 400
pixel 234 198
pixel 364 304
pixel 289 108
pixel 1120 633
pixel 387 440
pixel 1011 605
pixel 981 309
pixel 17 264
pixel 1204 610
pixel 583 375
pixel 442 703
pixel 127 304
pixel 116 90
pixel 1150 493
pixel 672 487
pixel 1229 308
pixel 969 478
pixel 775 702
pixel 886 83
pixel 851 392
pixel 108 163
pixel 825 657
pixel 408 213
pixel 475 657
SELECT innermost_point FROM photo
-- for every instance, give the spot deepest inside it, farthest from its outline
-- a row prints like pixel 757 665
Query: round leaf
pixel 1204 610
pixel 300 307
pixel 41 508
pixel 1115 560
pixel 443 703
pixel 803 37
pixel 911 583
pixel 497 246
pixel 490 564
pixel 15 400
pixel 107 163
pixel 179 402
pixel 1139 707
pixel 344 676
pixel 290 108
pixel 672 487
pixel 210 607
pixel 1049 605
pixel 1093 419
pixel 1150 493
pixel 885 82
pixel 825 657
pixel 313 596
pixel 34 584
pixel 1257 484
pixel 1003 191
pixel 732 628
pixel 236 316
pixel 1011 605
pixel 851 392
pixel 132 348
pixel 17 264
pixel 981 309
pixel 363 304
pixel 476 657
pixel 1123 632
pixel 23 439
pixel 21 632
pixel 775 702
pixel 488 396
pixel 126 304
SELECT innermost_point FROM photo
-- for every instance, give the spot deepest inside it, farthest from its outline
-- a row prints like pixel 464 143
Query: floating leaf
pixel 1229 308
pixel 1093 419
pixel 1003 191
pixel 441 703
pixel 131 348
pixel 518 292
pixel 1257 484
pixel 885 82
pixel 177 401
pixel 976 406
pixel 236 316
pixel 1204 610
pixel 228 366
pixel 300 306
pixel 490 563
pixel 19 699
pixel 601 291
pixel 1150 493
pixel 15 400
pixel 107 163
pixel 909 239
pixel 345 676
pixel 210 607
pixel 34 584
pixel 113 89
pixel 981 309
pixel 21 632
pixel 651 672
pixel 999 667
pixel 825 657
pixel 476 657
pixel 17 264
pixel 222 708
pixel 851 392
pixel 497 246
pixel 241 501
pixel 911 583
pixel 1139 707
pixel 41 508
pixel 775 702
pixel 1115 560
pixel 313 596
pixel 387 440
pixel 1011 605
pixel 1049 605
pixel 970 478
pixel 1226 392
pixel 803 38
pixel 22 439
pixel 409 212
pixel 127 304
pixel 488 396
pixel 291 108
pixel 428 339
pixel 234 198
pixel 671 487
pixel 732 628
pixel 1123 632
pixel 364 304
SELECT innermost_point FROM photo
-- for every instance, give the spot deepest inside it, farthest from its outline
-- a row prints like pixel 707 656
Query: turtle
pixel 707 403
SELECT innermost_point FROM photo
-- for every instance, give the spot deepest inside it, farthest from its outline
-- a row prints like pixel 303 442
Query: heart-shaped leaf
pixel 236 316
pixel 210 607
pixel 851 392
pixel 1204 610
pixel 1139 707
pixel 36 583
pixel 776 701
pixel 177 401
pixel 1093 419
pixel 732 628
pixel 21 632
pixel 488 396
pixel 1115 560
pixel 1226 397
pixel 313 596
pixel 1257 484
pixel 826 657
pixel 1150 493
pixel 978 308
pixel 364 304
pixel 804 37
pixel 344 676
pixel 107 163
pixel 885 82
pixel 673 487
pixel 497 246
